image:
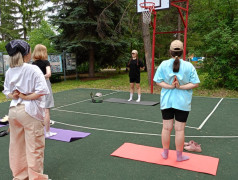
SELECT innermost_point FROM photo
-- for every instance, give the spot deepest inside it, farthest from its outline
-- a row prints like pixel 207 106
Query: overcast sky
pixel 48 4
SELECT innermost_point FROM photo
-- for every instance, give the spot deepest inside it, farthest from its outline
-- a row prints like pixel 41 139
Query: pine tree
pixel 7 21
pixel 30 15
pixel 19 17
pixel 88 28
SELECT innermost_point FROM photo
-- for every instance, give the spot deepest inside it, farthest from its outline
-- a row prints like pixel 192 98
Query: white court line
pixel 139 133
pixel 150 93
pixel 203 123
pixel 102 115
pixel 81 101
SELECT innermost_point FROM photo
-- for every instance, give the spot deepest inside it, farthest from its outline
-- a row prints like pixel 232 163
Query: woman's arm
pixel 32 96
pixel 166 86
pixel 186 86
pixel 48 72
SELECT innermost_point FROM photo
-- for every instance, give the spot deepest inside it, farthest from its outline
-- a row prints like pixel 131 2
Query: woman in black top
pixel 135 65
pixel 40 57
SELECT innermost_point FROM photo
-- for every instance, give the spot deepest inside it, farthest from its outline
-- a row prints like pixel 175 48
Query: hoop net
pixel 148 8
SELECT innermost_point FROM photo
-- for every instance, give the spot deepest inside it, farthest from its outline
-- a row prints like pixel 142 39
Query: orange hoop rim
pixel 147 5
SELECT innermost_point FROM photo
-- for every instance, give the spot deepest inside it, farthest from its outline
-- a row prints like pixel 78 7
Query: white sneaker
pixel 52 122
pixel 138 100
pixel 130 99
pixel 49 134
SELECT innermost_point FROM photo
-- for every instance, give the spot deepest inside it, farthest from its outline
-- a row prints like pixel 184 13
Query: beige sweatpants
pixel 27 144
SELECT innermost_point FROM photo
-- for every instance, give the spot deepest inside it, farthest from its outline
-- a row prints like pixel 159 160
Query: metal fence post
pixel 64 65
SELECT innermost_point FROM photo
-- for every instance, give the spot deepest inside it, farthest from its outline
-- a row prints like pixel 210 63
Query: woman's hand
pixel 15 94
pixel 23 96
pixel 176 82
pixel 173 85
pixel 177 85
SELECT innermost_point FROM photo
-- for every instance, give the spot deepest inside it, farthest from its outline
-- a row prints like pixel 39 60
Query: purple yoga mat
pixel 2 125
pixel 67 135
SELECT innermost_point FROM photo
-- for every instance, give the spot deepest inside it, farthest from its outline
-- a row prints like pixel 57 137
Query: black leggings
pixel 172 113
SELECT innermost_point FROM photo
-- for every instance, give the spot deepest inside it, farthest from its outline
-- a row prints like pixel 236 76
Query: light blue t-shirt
pixel 176 98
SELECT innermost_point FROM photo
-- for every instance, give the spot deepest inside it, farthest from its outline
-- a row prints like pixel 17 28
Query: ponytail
pixel 176 64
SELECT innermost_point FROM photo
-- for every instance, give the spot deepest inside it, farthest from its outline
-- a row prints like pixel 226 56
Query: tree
pixel 148 49
pixel 88 28
pixel 30 15
pixel 8 22
pixel 2 46
pixel 216 32
pixel 43 35
pixel 18 18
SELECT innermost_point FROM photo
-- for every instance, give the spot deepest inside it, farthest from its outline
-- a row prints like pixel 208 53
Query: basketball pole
pixel 185 23
pixel 185 31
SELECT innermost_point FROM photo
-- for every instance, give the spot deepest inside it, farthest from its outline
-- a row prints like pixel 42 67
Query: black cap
pixel 16 46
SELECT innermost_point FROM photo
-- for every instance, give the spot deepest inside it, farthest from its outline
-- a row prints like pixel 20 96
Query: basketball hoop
pixel 148 7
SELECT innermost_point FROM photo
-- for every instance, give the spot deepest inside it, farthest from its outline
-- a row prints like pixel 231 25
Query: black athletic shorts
pixel 135 80
pixel 172 113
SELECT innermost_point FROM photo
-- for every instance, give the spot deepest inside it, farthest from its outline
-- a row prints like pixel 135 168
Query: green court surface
pixel 212 123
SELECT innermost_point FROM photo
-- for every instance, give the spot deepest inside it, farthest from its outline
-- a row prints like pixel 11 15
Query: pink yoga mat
pixel 198 163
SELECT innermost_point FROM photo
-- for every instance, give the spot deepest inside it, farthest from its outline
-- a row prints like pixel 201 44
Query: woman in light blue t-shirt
pixel 177 79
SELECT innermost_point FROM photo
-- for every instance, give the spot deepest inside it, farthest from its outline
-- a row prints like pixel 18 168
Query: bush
pixel 56 77
pixel 158 61
pixel 1 82
pixel 222 62
pixel 84 67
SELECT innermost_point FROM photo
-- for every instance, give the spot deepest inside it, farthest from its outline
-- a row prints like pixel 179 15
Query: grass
pixel 120 81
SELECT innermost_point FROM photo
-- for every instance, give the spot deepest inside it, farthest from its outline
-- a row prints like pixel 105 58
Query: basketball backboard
pixel 159 4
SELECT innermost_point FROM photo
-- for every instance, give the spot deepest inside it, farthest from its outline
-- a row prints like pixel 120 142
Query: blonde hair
pixel 134 51
pixel 40 53
pixel 16 60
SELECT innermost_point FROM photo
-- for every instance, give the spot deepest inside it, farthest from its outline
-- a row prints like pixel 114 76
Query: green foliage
pixel 43 35
pixel 90 29
pixel 217 27
pixel 83 68
pixel 1 82
pixel 8 21
pixel 2 46
pixel 18 18
pixel 158 61
pixel 56 77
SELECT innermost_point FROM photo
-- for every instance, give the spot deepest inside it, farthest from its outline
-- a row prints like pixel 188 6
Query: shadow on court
pixel 112 124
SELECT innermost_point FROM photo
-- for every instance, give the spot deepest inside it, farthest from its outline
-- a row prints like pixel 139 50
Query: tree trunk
pixel 148 48
pixel 91 61
pixel 91 47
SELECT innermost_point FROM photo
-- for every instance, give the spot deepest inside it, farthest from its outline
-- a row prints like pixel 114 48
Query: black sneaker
pixel 3 133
